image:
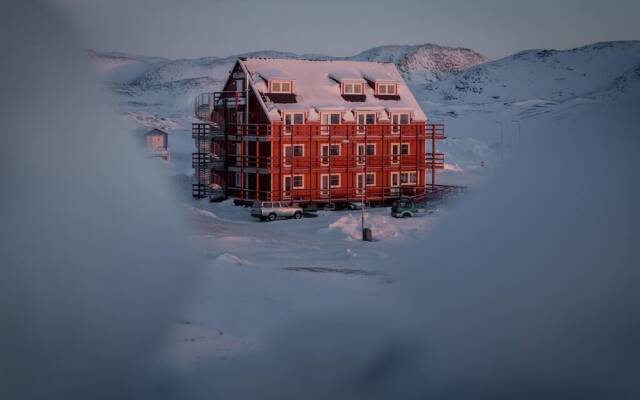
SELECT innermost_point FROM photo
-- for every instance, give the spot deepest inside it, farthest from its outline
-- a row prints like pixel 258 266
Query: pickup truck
pixel 405 208
pixel 272 210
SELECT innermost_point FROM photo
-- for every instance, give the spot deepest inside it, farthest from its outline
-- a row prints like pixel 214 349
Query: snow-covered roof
pixel 345 74
pixel 274 73
pixel 156 132
pixel 378 76
pixel 317 86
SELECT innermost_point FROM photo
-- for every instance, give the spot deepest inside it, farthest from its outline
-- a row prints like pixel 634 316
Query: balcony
pixel 435 160
pixel 205 104
pixel 204 160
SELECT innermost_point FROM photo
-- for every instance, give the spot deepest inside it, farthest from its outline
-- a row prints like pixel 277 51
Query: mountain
pixel 424 63
pixel 547 75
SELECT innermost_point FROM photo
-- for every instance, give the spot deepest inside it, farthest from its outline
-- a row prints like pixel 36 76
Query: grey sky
pixel 194 28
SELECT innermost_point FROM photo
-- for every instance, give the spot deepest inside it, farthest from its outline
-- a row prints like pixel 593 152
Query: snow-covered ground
pixel 284 269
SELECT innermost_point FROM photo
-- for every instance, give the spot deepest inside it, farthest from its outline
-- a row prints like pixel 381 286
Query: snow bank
pixel 383 226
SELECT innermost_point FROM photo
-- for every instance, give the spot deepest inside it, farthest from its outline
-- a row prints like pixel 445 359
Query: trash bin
pixel 367 236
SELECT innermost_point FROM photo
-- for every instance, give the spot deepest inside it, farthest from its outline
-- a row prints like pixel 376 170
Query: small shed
pixel 157 142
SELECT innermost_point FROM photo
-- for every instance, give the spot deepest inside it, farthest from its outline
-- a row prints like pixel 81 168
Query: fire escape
pixel 212 140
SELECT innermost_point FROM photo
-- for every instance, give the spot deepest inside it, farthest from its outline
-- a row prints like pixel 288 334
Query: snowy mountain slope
pixel 424 63
pixel 546 75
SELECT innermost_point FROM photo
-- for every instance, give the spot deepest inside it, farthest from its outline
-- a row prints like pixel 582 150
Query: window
pixel 386 88
pixel 365 119
pixel 352 88
pixel 395 153
pixel 292 119
pixel 238 180
pixel 361 154
pixel 298 181
pixel 408 178
pixel 298 150
pixel 404 149
pixel 334 180
pixel 281 86
pixel 328 119
pixel 371 149
pixel 371 178
pixel 288 155
pixel 399 119
pixel 327 150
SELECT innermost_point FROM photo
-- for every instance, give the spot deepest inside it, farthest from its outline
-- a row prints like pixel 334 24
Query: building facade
pixel 314 132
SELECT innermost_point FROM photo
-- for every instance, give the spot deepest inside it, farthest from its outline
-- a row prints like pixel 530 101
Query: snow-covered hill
pixel 549 75
pixel 424 63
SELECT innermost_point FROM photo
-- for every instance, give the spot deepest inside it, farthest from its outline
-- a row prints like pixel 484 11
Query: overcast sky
pixel 496 28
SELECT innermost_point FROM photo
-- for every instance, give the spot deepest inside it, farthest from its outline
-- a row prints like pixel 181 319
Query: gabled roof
pixel 317 86
pixel 156 132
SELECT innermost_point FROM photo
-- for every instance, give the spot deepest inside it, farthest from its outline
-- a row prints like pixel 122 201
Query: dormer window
pixel 386 89
pixel 280 86
pixel 356 88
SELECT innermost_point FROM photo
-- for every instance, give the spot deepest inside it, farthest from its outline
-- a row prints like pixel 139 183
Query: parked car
pixel 272 210
pixel 405 208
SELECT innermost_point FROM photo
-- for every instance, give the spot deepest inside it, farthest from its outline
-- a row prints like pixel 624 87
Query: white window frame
pixel 362 126
pixel 280 82
pixel 395 188
pixel 386 86
pixel 293 181
pixel 352 85
pixel 325 159
pixel 395 157
pixel 286 194
pixel 396 126
pixel 325 125
pixel 408 149
pixel 374 178
pixel 339 181
pixel 287 161
pixel 293 150
pixel 325 191
pixel 361 158
pixel 408 174
pixel 366 148
pixel 288 126
pixel 238 180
